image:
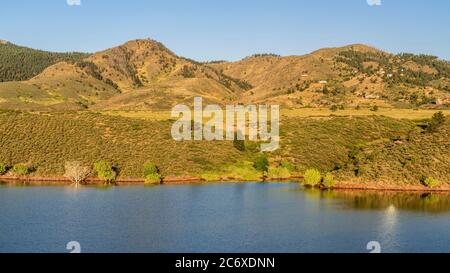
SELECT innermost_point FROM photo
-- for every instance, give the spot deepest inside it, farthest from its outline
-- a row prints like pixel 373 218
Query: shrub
pixel 105 171
pixel 436 121
pixel 244 171
pixel 3 169
pixel 431 182
pixel 374 108
pixel 328 180
pixel 312 177
pixel 279 173
pixel 150 168
pixel 21 169
pixel 287 165
pixel 76 172
pixel 152 174
pixel 261 164
pixel 154 178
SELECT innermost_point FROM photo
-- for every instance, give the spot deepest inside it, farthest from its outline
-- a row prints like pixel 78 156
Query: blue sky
pixel 229 29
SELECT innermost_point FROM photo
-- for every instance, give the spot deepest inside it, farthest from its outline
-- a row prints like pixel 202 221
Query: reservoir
pixel 241 217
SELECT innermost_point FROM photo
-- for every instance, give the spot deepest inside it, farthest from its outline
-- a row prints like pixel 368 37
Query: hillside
pixel 139 74
pixel 351 75
pixel 145 75
pixel 21 63
pixel 370 149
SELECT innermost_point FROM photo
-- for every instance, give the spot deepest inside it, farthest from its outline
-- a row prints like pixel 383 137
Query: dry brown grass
pixel 409 114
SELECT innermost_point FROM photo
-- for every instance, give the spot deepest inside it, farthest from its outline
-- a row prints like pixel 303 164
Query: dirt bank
pixel 174 180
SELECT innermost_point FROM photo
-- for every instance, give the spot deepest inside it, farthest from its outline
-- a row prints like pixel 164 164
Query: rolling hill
pixel 145 75
pixel 19 63
pixel 350 75
pixel 139 74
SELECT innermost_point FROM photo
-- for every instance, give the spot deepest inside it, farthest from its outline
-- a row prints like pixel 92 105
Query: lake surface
pixel 252 217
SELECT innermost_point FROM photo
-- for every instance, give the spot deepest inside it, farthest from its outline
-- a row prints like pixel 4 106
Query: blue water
pixel 254 217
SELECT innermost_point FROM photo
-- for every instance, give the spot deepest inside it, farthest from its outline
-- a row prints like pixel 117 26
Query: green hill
pixel 371 149
pixel 19 63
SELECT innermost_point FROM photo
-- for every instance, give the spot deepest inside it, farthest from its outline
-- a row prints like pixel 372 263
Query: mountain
pixel 139 74
pixel 350 75
pixel 144 74
pixel 151 76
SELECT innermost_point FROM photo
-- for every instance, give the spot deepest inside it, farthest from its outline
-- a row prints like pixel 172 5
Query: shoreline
pixel 173 180
pixel 408 188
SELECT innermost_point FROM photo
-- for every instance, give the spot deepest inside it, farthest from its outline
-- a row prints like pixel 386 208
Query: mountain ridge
pixel 145 74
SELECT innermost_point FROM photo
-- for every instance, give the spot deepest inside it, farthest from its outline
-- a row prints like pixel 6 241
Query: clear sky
pixel 229 29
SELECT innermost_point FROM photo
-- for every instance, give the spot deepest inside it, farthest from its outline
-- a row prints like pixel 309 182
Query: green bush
pixel 328 180
pixel 431 182
pixel 312 177
pixel 150 168
pixel 279 173
pixel 436 121
pixel 21 169
pixel 154 178
pixel 261 164
pixel 244 171
pixel 105 171
pixel 152 174
pixel 3 169
pixel 287 165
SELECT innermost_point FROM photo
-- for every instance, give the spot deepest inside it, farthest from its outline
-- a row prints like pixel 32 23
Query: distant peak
pixel 142 41
pixel 330 51
pixel 3 42
pixel 362 47
pixel 146 43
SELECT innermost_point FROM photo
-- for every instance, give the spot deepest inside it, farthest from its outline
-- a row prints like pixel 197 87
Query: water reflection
pixel 388 201
pixel 251 217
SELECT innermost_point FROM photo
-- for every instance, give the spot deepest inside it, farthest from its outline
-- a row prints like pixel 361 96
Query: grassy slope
pixel 48 140
pixel 63 86
pixel 364 76
pixel 145 75
pixel 141 74
pixel 410 158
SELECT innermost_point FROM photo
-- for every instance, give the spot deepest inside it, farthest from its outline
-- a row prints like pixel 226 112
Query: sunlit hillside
pixel 145 75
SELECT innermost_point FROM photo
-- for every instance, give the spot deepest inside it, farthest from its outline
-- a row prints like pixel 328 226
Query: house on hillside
pixel 372 97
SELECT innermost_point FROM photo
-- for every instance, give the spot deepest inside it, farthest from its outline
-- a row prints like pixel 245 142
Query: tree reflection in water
pixel 390 201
